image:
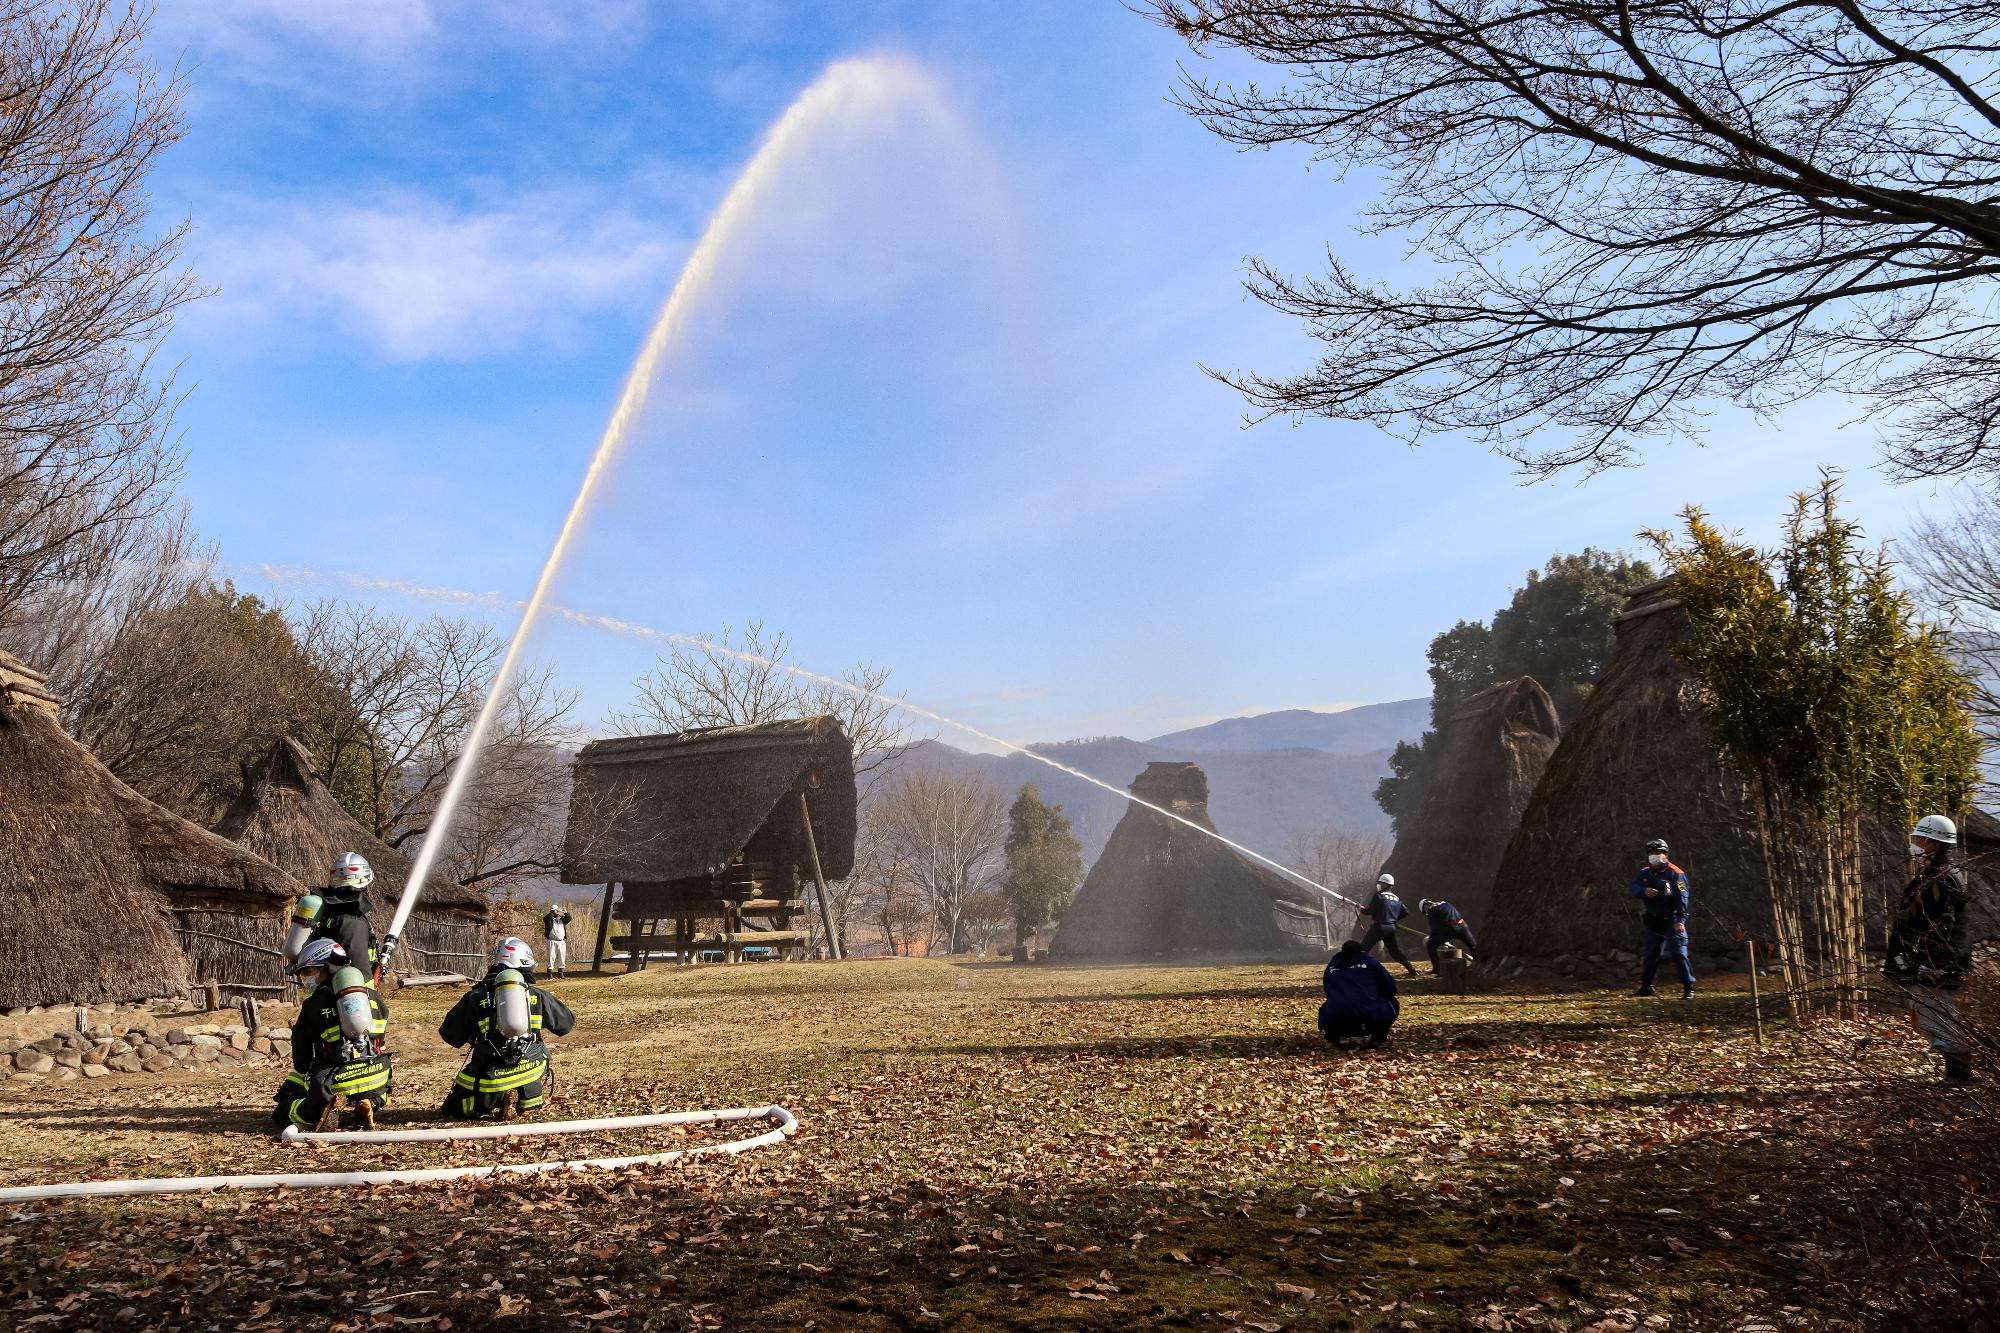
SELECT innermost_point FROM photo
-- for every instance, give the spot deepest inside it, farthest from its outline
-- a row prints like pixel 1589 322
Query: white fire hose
pixel 786 1124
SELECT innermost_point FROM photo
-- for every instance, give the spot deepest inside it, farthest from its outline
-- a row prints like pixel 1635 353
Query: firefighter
pixel 1929 943
pixel 1663 888
pixel 339 1059
pixel 1447 926
pixel 555 929
pixel 343 911
pixel 1360 997
pixel 503 1019
pixel 1382 912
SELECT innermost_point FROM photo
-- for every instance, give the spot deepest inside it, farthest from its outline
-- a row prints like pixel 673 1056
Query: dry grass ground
pixel 992 1146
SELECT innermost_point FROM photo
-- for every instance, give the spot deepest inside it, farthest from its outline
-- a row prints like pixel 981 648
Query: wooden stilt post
pixel 1756 1004
pixel 833 949
pixel 603 932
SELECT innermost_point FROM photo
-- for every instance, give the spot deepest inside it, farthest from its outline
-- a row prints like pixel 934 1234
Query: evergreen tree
pixel 1556 628
pixel 1044 863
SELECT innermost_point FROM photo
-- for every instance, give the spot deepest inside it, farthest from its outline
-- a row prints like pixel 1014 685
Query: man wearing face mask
pixel 1662 888
pixel 1929 946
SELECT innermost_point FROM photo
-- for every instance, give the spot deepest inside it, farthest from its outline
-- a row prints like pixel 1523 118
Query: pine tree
pixel 1044 863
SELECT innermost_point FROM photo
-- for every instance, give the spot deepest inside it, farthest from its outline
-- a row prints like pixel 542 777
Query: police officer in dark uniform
pixel 1662 888
pixel 1447 926
pixel 506 1074
pixel 1382 912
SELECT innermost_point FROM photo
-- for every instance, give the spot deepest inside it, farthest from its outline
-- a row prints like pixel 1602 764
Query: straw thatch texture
pixel 686 805
pixel 1494 749
pixel 1160 888
pixel 1637 763
pixel 287 814
pixel 98 882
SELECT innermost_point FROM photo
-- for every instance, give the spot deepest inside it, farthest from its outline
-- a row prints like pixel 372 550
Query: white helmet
pixel 513 952
pixel 319 953
pixel 352 871
pixel 1425 904
pixel 1386 880
pixel 1938 829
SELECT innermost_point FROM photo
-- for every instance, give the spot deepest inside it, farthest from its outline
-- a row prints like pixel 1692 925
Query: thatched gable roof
pixel 680 806
pixel 1492 753
pixel 90 870
pixel 1161 888
pixel 287 815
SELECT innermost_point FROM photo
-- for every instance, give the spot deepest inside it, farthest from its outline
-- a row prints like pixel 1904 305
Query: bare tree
pixel 947 830
pixel 1636 206
pixel 1957 562
pixel 86 289
pixel 1342 859
pixel 746 679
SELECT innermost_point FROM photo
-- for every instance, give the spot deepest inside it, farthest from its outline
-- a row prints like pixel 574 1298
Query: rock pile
pixel 140 1043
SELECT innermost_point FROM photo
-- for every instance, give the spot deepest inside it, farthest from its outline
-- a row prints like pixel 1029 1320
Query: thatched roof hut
pixel 688 804
pixel 288 815
pixel 104 895
pixel 1492 753
pixel 1161 888
pixel 710 823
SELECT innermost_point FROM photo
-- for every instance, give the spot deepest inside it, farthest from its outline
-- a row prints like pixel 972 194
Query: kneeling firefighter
pixel 340 911
pixel 339 1058
pixel 503 1018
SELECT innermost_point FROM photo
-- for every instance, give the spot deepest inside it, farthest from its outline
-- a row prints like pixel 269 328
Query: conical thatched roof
pixel 1492 753
pixel 685 805
pixel 90 870
pixel 1161 888
pixel 287 815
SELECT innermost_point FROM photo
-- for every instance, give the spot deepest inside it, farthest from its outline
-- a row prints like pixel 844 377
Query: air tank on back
pixel 510 1004
pixel 353 1001
pixel 305 915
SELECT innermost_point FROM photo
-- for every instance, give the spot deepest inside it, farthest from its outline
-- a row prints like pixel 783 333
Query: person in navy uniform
pixel 1360 997
pixel 1382 912
pixel 1447 926
pixel 1662 889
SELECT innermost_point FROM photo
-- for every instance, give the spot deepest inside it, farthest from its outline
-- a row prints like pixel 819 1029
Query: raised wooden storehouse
pixel 288 815
pixel 1493 751
pixel 105 896
pixel 1161 888
pixel 723 825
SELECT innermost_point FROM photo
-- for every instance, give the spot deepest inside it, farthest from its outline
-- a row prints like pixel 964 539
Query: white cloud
pixel 417 279
pixel 258 35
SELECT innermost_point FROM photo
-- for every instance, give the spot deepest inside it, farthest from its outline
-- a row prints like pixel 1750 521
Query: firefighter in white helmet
pixel 1930 949
pixel 339 1058
pixel 343 910
pixel 504 1018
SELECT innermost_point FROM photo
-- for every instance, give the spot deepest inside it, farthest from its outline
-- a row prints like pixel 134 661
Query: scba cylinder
pixel 305 915
pixel 510 1004
pixel 353 1000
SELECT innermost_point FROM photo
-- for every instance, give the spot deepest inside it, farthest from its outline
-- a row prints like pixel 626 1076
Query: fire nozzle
pixel 382 957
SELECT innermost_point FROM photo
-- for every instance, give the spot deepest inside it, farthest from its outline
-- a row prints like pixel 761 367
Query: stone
pixel 34 1061
pixel 207 1041
pixel 179 1050
pixel 99 1032
pixel 177 1036
pixel 69 1059
pixel 25 1076
pixel 157 1063
pixel 205 1054
pixel 226 1061
pixel 239 1040
pixel 16 1012
pixel 9 1045
pixel 261 1045
pixel 94 1071
pixel 64 1074
pixel 125 1064
pixel 95 1057
pixel 47 1045
pixel 231 1029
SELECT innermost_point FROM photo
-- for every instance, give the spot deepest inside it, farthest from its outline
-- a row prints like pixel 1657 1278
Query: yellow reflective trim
pixel 366 1080
pixel 518 1077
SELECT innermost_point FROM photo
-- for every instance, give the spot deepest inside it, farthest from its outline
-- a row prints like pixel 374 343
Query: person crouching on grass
pixel 502 1018
pixel 1360 997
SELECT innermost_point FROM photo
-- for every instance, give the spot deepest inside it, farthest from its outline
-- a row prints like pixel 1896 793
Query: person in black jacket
pixel 1662 888
pixel 1360 997
pixel 328 1065
pixel 1383 912
pixel 1447 926
pixel 1929 943
pixel 503 1075
pixel 343 911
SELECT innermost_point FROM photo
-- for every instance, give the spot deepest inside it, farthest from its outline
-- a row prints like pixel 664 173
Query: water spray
pixel 613 625
pixel 845 85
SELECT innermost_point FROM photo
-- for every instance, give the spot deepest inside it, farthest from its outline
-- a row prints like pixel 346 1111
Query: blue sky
pixel 942 410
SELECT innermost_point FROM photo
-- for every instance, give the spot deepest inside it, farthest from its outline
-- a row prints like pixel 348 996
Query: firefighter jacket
pixel 1443 918
pixel 343 918
pixel 1385 909
pixel 470 1023
pixel 1668 907
pixel 317 1040
pixel 1929 935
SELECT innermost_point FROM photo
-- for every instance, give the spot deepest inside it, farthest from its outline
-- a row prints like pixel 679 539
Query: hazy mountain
pixel 1355 731
pixel 1257 797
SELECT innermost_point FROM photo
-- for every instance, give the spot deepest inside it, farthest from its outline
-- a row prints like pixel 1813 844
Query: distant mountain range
pixel 1270 776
